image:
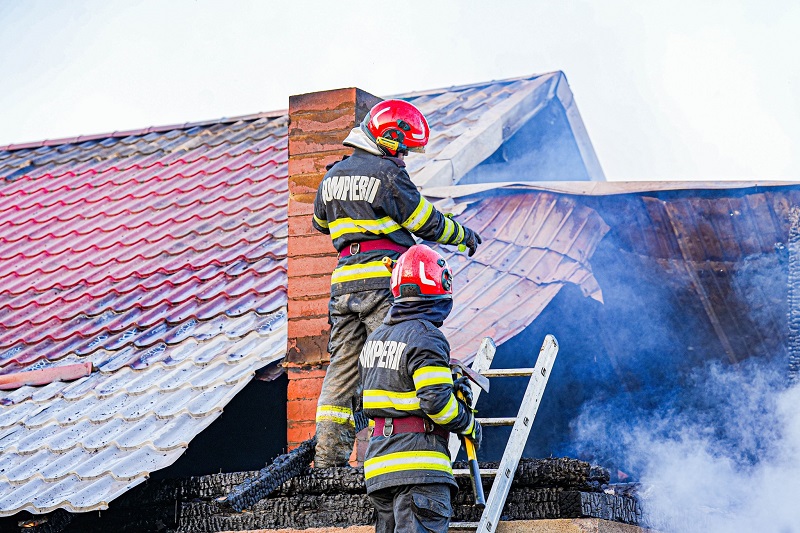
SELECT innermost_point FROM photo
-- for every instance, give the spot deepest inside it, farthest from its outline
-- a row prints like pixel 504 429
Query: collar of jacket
pixel 434 311
pixel 358 139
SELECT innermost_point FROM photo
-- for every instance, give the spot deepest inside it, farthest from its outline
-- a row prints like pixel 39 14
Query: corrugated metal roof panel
pixel 533 244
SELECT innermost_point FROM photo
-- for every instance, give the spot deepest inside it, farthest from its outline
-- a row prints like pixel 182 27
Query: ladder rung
pixel 507 372
pixel 463 525
pixel 507 421
pixel 464 472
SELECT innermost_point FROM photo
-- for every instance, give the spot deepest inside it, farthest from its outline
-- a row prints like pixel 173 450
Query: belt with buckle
pixel 407 424
pixel 370 246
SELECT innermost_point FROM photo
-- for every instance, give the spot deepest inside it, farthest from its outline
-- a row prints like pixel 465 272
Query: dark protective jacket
pixel 367 197
pixel 405 371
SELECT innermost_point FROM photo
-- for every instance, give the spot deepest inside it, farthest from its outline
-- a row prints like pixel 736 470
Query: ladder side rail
pixel 519 436
pixel 482 362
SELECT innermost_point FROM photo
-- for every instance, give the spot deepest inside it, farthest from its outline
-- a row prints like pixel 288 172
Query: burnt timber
pixel 335 497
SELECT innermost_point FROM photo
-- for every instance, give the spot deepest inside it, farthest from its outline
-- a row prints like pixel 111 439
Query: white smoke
pixel 721 454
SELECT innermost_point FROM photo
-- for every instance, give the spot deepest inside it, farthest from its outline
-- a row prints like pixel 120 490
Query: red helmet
pixel 421 274
pixel 396 126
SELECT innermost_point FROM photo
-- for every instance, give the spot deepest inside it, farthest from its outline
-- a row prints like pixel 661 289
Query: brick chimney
pixel 318 122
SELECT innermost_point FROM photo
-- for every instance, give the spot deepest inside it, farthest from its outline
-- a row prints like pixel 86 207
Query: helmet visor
pixel 417 149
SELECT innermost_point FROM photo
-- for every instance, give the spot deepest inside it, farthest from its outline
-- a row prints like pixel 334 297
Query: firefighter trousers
pixel 412 508
pixel 352 318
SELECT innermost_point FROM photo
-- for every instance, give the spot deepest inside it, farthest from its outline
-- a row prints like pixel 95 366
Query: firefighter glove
pixel 477 435
pixel 471 240
pixel 463 390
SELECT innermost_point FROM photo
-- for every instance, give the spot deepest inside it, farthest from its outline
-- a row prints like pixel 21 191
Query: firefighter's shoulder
pixel 396 160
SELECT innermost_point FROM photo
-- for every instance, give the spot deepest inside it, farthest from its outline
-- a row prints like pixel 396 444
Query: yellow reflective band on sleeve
pixel 449 228
pixel 372 269
pixel 420 215
pixel 334 413
pixel 343 226
pixel 404 461
pixel 320 222
pixel 470 427
pixel 460 235
pixel 447 414
pixel 384 399
pixel 432 375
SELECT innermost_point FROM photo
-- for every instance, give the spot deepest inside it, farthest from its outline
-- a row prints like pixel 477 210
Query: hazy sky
pixel 668 90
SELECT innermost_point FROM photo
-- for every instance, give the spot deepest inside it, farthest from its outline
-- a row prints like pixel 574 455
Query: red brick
pixel 304 286
pixel 297 374
pixel 308 351
pixel 338 119
pixel 297 432
pixel 301 409
pixel 322 100
pixel 315 163
pixel 319 142
pixel 303 183
pixel 312 265
pixel 304 389
pixel 300 206
pixel 315 243
pixel 308 308
pixel 308 327
pixel 301 225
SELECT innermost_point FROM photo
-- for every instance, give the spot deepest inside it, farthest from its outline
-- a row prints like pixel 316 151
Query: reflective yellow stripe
pixel 449 228
pixel 470 427
pixel 384 399
pixel 342 226
pixel 334 413
pixel 432 375
pixel 420 215
pixel 372 269
pixel 447 414
pixel 404 461
pixel 320 222
pixel 460 235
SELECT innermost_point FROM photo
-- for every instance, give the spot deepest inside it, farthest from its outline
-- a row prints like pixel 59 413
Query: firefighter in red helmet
pixel 371 209
pixel 408 390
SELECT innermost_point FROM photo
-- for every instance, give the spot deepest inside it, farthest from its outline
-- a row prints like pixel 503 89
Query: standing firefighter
pixel 409 392
pixel 370 208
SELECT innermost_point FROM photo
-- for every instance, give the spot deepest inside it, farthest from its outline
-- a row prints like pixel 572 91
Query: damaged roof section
pixel 158 261
pixel 705 238
pixel 533 244
pixel 526 129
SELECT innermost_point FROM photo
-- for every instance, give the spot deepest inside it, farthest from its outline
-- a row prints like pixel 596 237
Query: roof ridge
pixel 228 120
pixel 427 92
pixel 143 131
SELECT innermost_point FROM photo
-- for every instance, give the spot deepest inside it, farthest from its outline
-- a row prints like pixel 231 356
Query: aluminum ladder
pixel 504 474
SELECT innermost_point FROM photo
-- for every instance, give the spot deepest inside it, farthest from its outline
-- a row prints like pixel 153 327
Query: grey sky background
pixel 679 90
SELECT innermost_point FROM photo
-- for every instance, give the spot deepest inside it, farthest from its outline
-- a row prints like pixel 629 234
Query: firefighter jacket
pixel 405 371
pixel 368 197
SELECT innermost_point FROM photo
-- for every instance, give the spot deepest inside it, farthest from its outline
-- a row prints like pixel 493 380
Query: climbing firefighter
pixel 371 209
pixel 408 390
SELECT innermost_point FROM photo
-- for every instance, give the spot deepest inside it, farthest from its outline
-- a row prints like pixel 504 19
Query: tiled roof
pixel 159 257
